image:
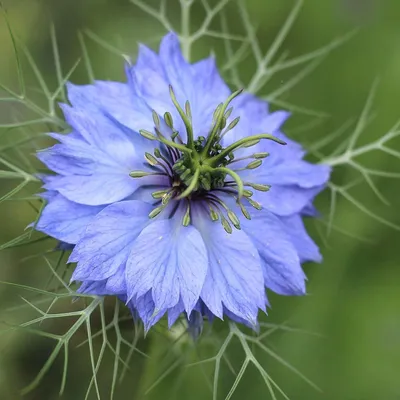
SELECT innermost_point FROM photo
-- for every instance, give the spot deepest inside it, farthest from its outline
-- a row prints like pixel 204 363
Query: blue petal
pixel 90 176
pixel 171 260
pixel 144 306
pixel 66 220
pixel 195 324
pixel 178 71
pixel 175 312
pixel 286 200
pixel 281 264
pixel 234 278
pixel 116 283
pixel 148 80
pixel 64 246
pixel 97 288
pixel 305 246
pixel 104 132
pixel 255 119
pixel 114 98
pixel 235 318
pixel 199 83
pixel 101 188
pixel 73 156
pixel 300 173
pixel 108 240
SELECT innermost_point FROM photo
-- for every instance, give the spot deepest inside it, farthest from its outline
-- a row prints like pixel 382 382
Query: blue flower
pixel 174 197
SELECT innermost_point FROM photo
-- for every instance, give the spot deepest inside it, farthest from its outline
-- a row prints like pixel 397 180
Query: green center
pixel 200 168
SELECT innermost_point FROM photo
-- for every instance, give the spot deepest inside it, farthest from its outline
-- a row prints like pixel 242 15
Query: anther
pixel 156 119
pixel 186 217
pixel 226 224
pixel 234 219
pixel 260 155
pixel 254 164
pixel 259 187
pixel 243 209
pixel 168 120
pixel 213 214
pixel 159 194
pixel 255 204
pixel 156 211
pixel 151 159
pixel 142 174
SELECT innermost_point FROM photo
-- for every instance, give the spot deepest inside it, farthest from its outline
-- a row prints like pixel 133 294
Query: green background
pixel 354 296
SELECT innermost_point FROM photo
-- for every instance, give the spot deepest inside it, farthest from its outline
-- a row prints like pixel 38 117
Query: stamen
pixel 254 164
pixel 213 214
pixel 188 110
pixel 259 187
pixel 158 154
pixel 255 204
pixel 161 138
pixel 231 215
pixel 226 224
pixel 260 155
pixel 151 159
pixel 159 194
pixel 142 174
pixel 230 126
pixel 243 209
pixel 234 219
pixel 247 193
pixel 186 217
pixel 167 197
pixel 156 119
pixel 216 113
pixel 156 211
pixel 228 113
pixel 168 120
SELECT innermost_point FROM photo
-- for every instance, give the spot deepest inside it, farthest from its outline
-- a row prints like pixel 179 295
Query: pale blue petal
pixel 281 264
pixel 96 288
pixel 286 200
pixel 66 220
pixel 101 130
pixel 234 278
pixel 146 310
pixel 116 283
pixel 94 190
pixel 175 312
pixel 305 246
pixel 114 98
pixel 297 172
pixel 108 240
pixel 170 260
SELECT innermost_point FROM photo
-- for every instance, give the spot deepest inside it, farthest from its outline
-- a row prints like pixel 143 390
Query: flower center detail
pixel 202 168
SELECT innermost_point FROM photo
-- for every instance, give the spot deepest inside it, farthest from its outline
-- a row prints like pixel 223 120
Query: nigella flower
pixel 179 195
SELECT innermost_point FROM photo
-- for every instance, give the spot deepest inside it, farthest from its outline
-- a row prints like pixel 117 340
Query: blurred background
pixel 354 298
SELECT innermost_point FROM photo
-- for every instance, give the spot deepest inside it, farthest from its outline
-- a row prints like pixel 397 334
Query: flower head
pixel 179 195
